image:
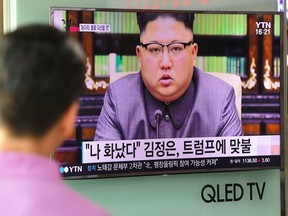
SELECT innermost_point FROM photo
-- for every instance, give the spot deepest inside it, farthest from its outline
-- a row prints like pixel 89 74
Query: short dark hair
pixel 41 75
pixel 144 18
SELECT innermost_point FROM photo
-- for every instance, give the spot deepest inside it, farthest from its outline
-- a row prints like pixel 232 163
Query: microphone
pixel 157 116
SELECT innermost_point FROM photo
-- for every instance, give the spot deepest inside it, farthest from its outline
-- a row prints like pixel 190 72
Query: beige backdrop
pixel 1 16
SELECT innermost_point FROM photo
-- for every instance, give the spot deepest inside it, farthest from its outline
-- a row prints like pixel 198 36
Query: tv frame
pixel 282 97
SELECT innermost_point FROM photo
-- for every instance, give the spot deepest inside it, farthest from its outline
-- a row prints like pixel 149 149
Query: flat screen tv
pixel 242 49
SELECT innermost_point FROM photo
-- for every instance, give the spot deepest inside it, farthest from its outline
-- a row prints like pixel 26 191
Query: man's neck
pixel 25 144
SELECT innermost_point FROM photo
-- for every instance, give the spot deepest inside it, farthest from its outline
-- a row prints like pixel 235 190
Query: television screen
pixel 184 91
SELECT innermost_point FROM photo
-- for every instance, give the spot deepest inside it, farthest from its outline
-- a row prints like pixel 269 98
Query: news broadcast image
pixel 228 118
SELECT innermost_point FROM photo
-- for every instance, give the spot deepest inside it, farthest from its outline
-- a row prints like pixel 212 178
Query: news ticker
pixel 153 155
pixel 168 166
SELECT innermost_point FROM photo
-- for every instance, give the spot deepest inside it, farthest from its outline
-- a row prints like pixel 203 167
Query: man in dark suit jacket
pixel 169 97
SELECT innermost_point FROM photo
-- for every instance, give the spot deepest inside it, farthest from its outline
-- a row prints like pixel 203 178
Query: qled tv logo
pixel 70 169
pixel 233 192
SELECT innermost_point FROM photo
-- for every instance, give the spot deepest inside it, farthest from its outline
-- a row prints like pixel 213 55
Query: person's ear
pixel 194 49
pixel 138 53
pixel 194 52
pixel 67 124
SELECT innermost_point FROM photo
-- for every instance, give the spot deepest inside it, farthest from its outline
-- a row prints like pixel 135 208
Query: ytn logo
pixel 263 25
pixel 71 169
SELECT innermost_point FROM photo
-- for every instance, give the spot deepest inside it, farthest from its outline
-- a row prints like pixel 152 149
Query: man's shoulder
pixel 129 79
pixel 130 85
pixel 209 80
pixel 210 87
